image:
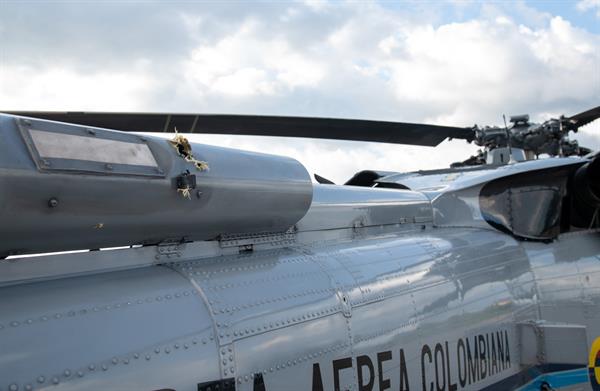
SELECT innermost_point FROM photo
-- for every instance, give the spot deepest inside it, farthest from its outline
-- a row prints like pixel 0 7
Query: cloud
pixel 589 5
pixel 353 60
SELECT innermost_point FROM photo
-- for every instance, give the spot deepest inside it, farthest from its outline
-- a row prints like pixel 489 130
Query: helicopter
pixel 133 262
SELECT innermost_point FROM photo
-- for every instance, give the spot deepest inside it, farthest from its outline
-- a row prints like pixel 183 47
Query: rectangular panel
pixel 68 146
pixel 56 146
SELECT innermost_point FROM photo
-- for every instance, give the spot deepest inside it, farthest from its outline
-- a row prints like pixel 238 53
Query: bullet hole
pixel 184 149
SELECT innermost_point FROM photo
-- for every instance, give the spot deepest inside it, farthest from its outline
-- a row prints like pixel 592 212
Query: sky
pixel 444 62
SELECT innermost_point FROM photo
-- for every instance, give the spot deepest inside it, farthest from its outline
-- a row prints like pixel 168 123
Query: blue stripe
pixel 558 380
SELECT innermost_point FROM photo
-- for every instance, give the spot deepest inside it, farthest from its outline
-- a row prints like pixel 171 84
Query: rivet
pixel 147 357
pixel 14 323
pixel 176 346
pixel 55 380
pixel 185 346
pixel 13 387
pixel 80 373
pixel 126 361
pixel 67 373
pixel 29 321
pixel 156 350
pixel 115 361
pixel 28 387
pixel 104 367
pixel 92 367
pixel 41 379
pixel 167 350
pixel 136 356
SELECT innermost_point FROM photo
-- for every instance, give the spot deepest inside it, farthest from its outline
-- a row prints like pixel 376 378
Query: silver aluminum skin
pixel 362 272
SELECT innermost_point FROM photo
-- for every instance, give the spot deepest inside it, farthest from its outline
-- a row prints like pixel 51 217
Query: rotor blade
pixel 328 128
pixel 584 118
pixel 323 180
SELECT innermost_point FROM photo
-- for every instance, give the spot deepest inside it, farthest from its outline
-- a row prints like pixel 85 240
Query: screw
pixel 52 202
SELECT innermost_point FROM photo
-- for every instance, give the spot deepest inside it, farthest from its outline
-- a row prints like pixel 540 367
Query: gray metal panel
pixel 567 276
pixel 349 206
pixel 242 192
pixel 551 343
pixel 114 330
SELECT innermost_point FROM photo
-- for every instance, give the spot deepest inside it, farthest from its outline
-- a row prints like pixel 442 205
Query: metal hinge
pixel 169 250
pixel 247 241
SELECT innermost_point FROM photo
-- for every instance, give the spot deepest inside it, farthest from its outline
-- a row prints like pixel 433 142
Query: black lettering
pixel 425 351
pixel 494 358
pixel 487 349
pixel 472 360
pixel 439 351
pixel 482 357
pixel 507 348
pixel 259 382
pixel 500 344
pixel 403 373
pixel 462 375
pixel 384 384
pixel 365 361
pixel 451 387
pixel 338 365
pixel 317 383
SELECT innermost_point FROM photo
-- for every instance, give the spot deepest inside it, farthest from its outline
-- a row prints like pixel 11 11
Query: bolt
pixel 108 166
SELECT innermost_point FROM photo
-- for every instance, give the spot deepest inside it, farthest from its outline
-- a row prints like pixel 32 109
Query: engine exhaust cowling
pixel 586 193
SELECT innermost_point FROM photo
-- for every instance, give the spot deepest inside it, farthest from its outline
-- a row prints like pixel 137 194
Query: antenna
pixel 507 139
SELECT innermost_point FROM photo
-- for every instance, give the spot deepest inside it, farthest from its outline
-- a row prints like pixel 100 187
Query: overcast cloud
pixel 455 63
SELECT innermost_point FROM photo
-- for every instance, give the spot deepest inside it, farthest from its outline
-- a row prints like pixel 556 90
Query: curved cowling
pixel 586 190
pixel 67 187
